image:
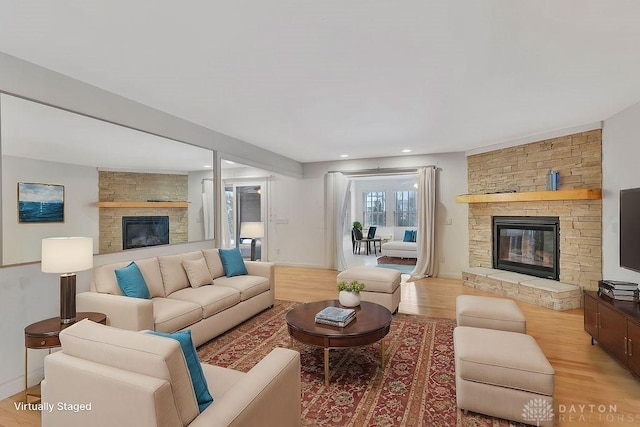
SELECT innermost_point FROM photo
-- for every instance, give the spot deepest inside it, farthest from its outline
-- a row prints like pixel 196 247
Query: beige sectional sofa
pixel 207 310
pixel 105 376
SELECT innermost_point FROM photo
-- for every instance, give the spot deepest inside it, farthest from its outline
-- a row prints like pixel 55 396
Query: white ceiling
pixel 315 79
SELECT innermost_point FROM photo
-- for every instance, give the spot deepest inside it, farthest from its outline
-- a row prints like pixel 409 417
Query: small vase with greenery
pixel 353 286
pixel 349 295
pixel 357 225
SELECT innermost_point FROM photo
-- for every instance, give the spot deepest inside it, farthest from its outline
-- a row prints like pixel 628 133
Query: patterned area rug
pixel 415 388
pixel 396 260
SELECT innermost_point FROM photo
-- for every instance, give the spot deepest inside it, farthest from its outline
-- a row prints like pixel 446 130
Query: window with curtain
pixel 405 213
pixel 374 208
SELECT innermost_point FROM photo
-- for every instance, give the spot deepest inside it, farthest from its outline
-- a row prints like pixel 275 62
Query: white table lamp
pixel 67 255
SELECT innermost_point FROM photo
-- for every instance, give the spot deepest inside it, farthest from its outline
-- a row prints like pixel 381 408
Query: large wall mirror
pixel 65 174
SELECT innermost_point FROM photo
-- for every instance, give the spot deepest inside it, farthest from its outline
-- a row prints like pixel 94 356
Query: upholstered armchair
pixel 105 376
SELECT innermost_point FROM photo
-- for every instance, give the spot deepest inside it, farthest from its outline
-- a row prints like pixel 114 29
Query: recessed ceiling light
pixel 208 166
pixel 406 150
pixel 344 155
pixel 230 162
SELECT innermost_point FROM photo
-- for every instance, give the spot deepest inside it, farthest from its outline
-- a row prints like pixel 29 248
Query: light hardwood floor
pixel 591 389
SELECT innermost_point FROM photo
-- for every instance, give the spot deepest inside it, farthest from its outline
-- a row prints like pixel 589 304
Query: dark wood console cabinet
pixel 616 327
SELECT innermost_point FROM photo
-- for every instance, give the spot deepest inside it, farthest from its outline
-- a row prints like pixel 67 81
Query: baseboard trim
pixel 16 385
pixel 303 265
pixel 457 275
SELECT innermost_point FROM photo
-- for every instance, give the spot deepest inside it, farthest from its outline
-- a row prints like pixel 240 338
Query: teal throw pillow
pixel 407 236
pixel 195 369
pixel 414 235
pixel 131 282
pixel 232 262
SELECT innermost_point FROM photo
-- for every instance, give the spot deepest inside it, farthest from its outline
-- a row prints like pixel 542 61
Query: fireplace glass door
pixel 143 231
pixel 526 245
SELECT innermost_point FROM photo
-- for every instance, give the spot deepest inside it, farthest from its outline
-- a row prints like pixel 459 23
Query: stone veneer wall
pixel 140 187
pixel 578 158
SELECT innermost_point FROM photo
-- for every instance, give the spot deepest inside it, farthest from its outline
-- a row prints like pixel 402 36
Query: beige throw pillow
pixel 197 272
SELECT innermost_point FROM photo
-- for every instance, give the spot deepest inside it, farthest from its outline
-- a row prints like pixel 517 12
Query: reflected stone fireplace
pixel 527 244
pixel 142 231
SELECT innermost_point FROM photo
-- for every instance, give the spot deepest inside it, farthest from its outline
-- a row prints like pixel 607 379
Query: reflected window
pixel 374 209
pixel 405 213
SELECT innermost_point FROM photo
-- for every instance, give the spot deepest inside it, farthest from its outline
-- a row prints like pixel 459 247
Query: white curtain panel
pixel 336 211
pixel 341 261
pixel 426 264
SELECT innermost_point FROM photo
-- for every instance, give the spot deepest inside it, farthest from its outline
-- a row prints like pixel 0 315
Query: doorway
pixel 385 202
pixel 245 210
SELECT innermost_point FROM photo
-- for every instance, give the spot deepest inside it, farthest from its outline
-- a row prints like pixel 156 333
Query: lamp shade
pixel 67 254
pixel 252 230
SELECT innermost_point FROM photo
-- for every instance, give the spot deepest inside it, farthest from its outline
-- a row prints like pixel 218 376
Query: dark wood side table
pixel 45 335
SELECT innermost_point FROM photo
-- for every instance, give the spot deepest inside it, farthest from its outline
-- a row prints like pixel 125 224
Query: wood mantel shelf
pixel 142 204
pixel 532 196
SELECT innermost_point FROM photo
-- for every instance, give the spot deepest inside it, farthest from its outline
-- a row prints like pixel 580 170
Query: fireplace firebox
pixel 142 231
pixel 527 244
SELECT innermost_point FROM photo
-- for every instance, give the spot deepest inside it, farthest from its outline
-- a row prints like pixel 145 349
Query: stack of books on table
pixel 621 291
pixel 336 316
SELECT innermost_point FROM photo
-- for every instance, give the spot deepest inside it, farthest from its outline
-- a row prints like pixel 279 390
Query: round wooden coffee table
pixel 372 323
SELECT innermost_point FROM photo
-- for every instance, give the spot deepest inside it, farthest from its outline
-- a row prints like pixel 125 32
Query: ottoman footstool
pixel 382 285
pixel 490 313
pixel 503 374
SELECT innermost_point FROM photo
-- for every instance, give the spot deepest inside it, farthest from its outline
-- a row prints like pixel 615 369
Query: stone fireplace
pixel 527 245
pixel 117 186
pixel 524 168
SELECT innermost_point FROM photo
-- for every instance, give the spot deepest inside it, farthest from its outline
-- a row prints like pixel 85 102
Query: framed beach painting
pixel 40 202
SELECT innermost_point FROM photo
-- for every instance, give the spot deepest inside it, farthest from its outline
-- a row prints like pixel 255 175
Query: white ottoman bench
pixel 490 313
pixel 503 374
pixel 382 285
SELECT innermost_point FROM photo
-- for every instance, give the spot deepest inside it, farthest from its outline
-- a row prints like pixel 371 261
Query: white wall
pixel 21 242
pixel 452 231
pixel 302 241
pixel 26 296
pixel 297 223
pixel 620 157
pixel 196 217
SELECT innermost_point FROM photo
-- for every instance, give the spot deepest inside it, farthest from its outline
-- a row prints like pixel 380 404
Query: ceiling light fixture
pixel 406 150
pixel 344 155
